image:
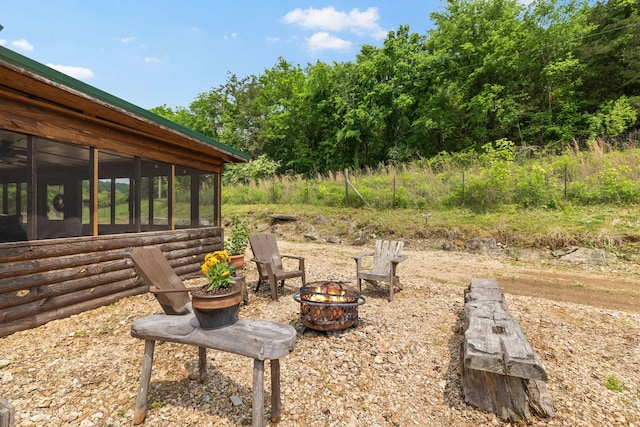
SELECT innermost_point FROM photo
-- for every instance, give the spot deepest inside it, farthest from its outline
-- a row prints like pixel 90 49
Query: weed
pixel 156 404
pixel 613 384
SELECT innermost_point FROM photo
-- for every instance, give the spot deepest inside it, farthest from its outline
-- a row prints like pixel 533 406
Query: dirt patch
pixel 600 291
pixel 614 284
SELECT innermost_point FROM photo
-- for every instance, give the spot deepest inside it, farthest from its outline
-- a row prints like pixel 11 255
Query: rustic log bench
pixel 500 371
pixel 260 340
pixel 7 413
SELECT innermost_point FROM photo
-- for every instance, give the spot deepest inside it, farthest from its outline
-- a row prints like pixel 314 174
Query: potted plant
pixel 216 303
pixel 238 241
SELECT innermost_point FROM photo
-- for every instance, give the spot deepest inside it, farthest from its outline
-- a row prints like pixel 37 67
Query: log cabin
pixel 85 177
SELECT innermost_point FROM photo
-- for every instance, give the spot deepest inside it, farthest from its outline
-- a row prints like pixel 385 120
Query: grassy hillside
pixel 522 198
pixel 612 229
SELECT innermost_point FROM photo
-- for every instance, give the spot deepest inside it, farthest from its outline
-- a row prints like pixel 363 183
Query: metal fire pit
pixel 328 305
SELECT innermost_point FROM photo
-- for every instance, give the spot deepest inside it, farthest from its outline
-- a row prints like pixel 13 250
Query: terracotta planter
pixel 238 261
pixel 215 311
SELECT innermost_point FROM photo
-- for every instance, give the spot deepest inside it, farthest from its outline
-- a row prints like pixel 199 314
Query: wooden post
pixel 393 200
pixel 202 364
pixel 257 412
pixel 145 378
pixel 346 187
pixel 32 190
pixel 276 403
pixel 565 182
pixel 7 413
pixel 171 198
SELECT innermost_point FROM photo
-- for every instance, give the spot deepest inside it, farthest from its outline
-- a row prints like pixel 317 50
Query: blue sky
pixel 160 52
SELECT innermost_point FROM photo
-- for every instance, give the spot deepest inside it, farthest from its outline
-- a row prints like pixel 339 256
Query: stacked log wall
pixel 46 280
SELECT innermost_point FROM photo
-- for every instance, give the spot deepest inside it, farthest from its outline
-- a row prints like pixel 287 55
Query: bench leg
pixel 145 378
pixel 257 413
pixel 202 364
pixel 276 403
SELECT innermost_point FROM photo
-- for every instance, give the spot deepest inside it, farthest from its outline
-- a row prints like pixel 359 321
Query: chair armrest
pixel 398 259
pixel 260 261
pixel 358 259
pixel 360 256
pixel 299 258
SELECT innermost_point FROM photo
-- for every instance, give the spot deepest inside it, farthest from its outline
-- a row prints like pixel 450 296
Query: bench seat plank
pixel 494 342
pixel 257 339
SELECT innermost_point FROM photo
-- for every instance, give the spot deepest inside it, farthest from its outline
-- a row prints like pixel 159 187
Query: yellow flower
pixel 218 270
pixel 221 255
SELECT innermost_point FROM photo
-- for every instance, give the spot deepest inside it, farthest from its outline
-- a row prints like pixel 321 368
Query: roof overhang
pixel 26 81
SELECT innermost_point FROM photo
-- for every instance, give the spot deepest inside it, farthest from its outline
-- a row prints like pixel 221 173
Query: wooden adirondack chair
pixel 258 339
pixel 163 282
pixel 269 262
pixel 387 256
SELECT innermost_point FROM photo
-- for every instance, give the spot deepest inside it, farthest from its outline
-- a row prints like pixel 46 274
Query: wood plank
pixel 257 339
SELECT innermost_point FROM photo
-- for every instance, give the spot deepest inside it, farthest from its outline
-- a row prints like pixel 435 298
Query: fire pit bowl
pixel 328 305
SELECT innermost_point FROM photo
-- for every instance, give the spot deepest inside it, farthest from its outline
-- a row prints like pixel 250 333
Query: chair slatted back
pixel 385 251
pixel 265 249
pixel 157 273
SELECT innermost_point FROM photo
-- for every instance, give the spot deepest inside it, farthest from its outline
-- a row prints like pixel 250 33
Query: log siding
pixel 46 280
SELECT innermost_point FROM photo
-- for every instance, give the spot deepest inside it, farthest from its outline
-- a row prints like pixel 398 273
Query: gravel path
pixel 398 367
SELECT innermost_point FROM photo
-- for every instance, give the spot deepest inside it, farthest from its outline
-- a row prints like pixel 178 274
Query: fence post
pixel 346 188
pixel 393 201
pixel 463 185
pixel 565 181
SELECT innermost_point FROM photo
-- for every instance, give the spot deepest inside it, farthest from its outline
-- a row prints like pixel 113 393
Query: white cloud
pixel 330 19
pixel 273 39
pixel 127 39
pixel 22 44
pixel 79 73
pixel 325 41
pixel 3 42
pixel 149 59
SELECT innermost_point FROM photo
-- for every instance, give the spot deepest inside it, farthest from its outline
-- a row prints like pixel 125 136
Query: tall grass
pixel 497 176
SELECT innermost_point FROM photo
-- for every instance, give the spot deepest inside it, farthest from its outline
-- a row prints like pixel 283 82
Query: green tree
pixel 611 54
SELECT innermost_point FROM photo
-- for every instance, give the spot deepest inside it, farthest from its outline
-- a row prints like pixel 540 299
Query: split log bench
pixel 500 371
pixel 7 413
pixel 258 339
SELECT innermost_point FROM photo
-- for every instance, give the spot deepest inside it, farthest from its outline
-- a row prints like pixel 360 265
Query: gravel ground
pixel 399 366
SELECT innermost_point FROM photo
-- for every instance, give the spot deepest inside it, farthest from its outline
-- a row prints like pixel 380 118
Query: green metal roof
pixel 93 92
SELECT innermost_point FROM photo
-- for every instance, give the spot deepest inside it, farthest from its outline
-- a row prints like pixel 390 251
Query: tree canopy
pixel 546 74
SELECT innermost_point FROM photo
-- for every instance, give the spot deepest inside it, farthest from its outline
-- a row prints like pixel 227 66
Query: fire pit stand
pixel 328 306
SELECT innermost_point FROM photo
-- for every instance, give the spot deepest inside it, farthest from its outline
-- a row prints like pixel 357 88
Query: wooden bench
pixel 260 340
pixel 500 371
pixel 7 413
pixel 257 339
